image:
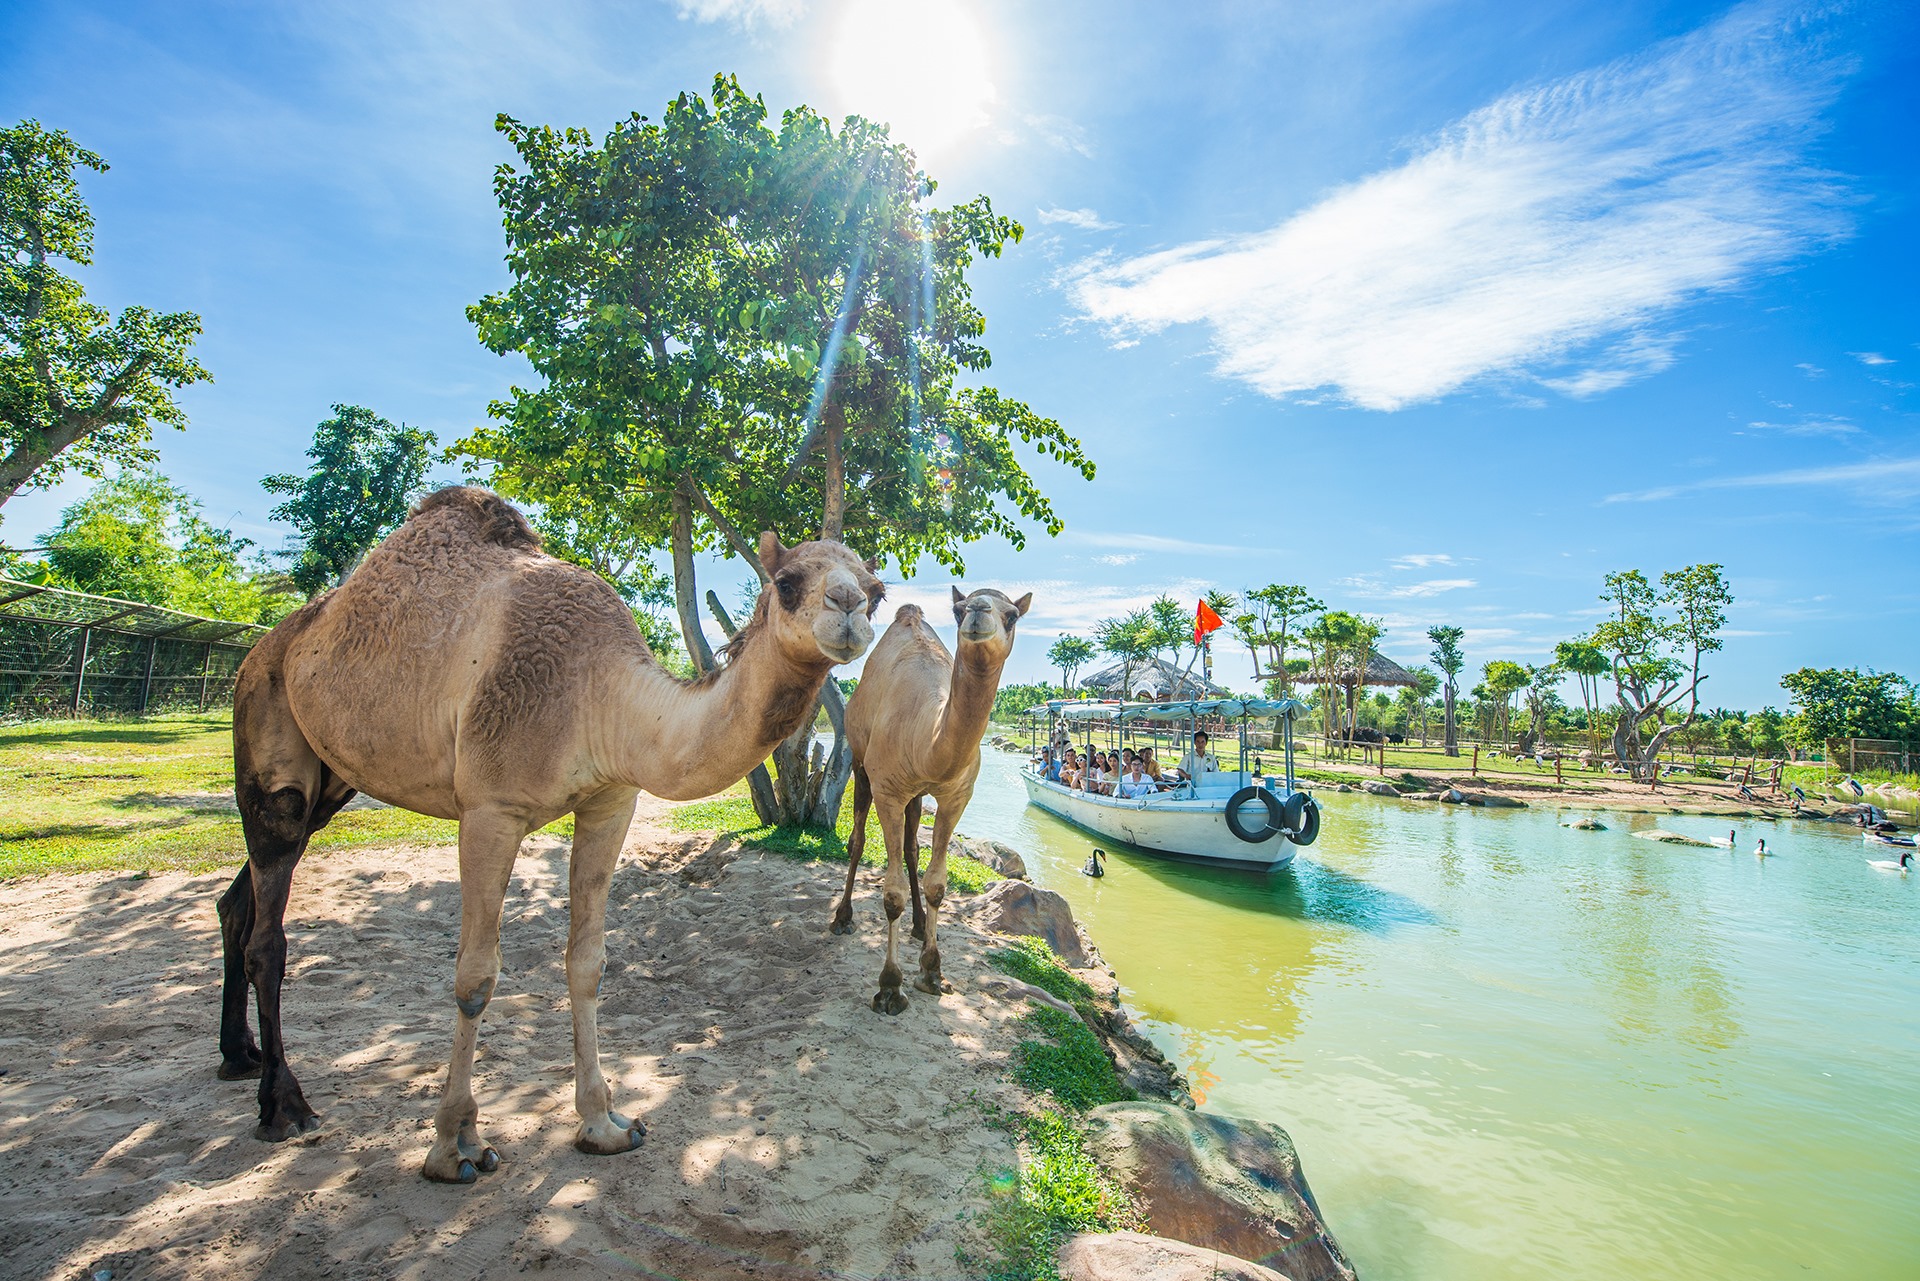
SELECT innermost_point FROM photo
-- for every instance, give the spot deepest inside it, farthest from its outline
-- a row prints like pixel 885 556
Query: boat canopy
pixel 1187 709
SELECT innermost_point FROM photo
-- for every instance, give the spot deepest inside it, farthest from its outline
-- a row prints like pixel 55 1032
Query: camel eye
pixel 789 590
pixel 1010 620
pixel 874 598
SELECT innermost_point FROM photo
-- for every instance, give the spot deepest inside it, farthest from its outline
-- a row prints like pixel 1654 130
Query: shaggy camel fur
pixel 461 672
pixel 914 723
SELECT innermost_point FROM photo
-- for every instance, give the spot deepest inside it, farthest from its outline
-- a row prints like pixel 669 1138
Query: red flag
pixel 1204 621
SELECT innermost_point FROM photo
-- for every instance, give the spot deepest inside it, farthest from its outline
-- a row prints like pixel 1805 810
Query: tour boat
pixel 1233 818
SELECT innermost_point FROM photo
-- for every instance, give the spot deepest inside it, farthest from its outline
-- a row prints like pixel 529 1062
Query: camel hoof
pixel 889 1000
pixel 610 1141
pixel 245 1070
pixel 461 1173
pixel 933 986
pixel 841 926
pixel 292 1127
pixel 489 1161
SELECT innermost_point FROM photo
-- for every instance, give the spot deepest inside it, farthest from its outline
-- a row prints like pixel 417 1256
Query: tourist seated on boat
pixel 1101 775
pixel 1148 764
pixel 1199 760
pixel 1050 767
pixel 1071 770
pixel 1135 783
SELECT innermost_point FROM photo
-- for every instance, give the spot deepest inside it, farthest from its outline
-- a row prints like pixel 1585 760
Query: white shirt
pixel 1193 764
pixel 1130 787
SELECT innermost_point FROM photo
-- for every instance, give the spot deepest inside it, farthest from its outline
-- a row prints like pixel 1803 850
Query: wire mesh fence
pixel 67 653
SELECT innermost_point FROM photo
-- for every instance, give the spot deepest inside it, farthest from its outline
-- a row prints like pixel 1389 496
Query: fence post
pixel 1476 760
pixel 80 666
pixel 206 665
pixel 146 681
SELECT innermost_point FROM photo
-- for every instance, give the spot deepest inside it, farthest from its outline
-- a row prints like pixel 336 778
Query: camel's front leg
pixel 892 813
pixel 856 849
pixel 933 886
pixel 599 830
pixel 488 843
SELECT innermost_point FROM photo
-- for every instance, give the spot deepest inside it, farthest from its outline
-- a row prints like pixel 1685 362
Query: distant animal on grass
pixel 914 724
pixel 1396 738
pixel 462 672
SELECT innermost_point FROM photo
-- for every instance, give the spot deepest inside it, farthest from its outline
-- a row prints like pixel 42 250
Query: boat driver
pixel 1199 761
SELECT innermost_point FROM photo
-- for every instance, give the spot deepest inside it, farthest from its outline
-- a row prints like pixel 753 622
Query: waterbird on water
pixel 1093 867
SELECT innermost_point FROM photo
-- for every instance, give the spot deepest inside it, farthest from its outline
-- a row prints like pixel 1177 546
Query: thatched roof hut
pixel 1381 670
pixel 1154 677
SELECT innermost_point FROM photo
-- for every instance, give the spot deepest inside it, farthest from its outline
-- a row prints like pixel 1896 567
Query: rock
pixel 1379 788
pixel 1343 788
pixel 1452 796
pixel 1003 859
pixel 1487 800
pixel 1015 907
pixel 1134 1256
pixel 1671 838
pixel 1218 1183
pixel 1588 824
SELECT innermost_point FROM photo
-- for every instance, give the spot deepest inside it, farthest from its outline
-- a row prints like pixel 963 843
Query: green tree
pixel 1834 703
pixel 1502 680
pixel 1265 627
pixel 1449 659
pixel 1542 701
pixel 1069 654
pixel 1586 664
pixel 1655 640
pixel 80 389
pixel 1767 731
pixel 1128 638
pixel 1171 627
pixel 140 537
pixel 366 472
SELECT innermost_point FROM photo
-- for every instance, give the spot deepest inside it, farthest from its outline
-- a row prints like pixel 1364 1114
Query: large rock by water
pixel 1135 1256
pixel 1220 1183
pixel 1379 788
pixel 1015 907
pixel 1671 838
pixel 1003 859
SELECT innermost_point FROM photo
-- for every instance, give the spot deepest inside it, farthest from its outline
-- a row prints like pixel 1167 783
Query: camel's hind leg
pixel 890 999
pixel 911 857
pixel 599 830
pixel 285 794
pixel 489 842
pixel 856 849
pixel 935 886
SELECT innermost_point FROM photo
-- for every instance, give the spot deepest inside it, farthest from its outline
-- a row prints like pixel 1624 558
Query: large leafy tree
pixel 1502 680
pixel 1265 628
pixel 366 472
pixel 1448 657
pixel 1069 654
pixel 1129 638
pixel 80 388
pixel 1171 627
pixel 1831 703
pixel 140 537
pixel 1586 664
pixel 1655 639
pixel 737 327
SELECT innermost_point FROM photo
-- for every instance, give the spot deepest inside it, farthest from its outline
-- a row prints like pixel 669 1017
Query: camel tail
pixel 494 518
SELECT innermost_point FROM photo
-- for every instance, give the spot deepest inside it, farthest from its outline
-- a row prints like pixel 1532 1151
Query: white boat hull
pixel 1194 829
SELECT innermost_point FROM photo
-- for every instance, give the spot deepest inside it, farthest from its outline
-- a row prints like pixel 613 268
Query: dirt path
pixel 792 1132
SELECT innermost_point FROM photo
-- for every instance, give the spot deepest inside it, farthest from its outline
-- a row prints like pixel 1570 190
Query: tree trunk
pixel 685 593
pixel 833 519
pixel 1450 730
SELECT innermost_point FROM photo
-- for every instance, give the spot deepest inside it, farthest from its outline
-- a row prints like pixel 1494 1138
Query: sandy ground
pixel 792 1132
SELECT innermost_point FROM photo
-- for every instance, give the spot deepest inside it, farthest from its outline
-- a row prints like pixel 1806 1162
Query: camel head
pixel 987 619
pixel 819 600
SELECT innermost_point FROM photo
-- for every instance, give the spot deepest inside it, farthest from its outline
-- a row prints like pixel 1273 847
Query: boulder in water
pixel 1587 824
pixel 1135 1256
pixel 1665 837
pixel 1219 1183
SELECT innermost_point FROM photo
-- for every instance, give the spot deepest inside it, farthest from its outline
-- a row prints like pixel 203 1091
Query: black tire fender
pixel 1302 819
pixel 1240 798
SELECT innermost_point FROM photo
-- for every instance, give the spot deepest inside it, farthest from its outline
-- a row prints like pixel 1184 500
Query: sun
pixel 921 66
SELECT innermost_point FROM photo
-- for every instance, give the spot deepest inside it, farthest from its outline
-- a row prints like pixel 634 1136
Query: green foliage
pixel 1267 627
pixel 1848 703
pixel 1060 1190
pixel 1031 961
pixel 1129 638
pixel 79 388
pixel 366 472
pixel 1069 654
pixel 140 537
pixel 1170 627
pixel 1012 701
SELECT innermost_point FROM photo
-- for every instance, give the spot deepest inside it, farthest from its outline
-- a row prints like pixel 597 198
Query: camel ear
pixel 771 552
pixel 1023 603
pixel 959 606
pixel 873 564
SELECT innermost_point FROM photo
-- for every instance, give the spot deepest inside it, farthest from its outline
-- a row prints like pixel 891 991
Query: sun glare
pixel 919 65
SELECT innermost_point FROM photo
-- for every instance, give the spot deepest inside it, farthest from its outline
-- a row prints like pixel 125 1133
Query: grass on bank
pixel 103 795
pixel 1059 1189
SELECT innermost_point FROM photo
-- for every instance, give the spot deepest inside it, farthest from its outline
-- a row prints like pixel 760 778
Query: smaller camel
pixel 914 724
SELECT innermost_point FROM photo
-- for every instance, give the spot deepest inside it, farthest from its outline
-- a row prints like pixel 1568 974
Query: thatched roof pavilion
pixel 1157 677
pixel 1381 670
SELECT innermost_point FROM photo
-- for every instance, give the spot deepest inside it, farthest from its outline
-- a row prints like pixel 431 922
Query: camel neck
pixel 970 694
pixel 681 740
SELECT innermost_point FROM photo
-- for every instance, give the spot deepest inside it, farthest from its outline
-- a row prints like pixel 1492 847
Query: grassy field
pixel 82 796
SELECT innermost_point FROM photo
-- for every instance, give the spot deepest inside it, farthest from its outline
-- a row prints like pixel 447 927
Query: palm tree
pixel 1448 658
pixel 1587 665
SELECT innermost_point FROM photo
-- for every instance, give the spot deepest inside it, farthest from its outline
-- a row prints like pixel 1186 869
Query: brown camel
pixel 462 672
pixel 914 723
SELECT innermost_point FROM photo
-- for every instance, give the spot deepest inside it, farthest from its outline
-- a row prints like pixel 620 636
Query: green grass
pixel 731 814
pixel 150 794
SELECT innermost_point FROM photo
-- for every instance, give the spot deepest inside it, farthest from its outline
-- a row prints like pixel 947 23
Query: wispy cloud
pixel 1156 543
pixel 1084 219
pixel 1118 558
pixel 1421 560
pixel 1060 133
pixel 1811 371
pixel 1554 233
pixel 1887 478
pixel 743 14
pixel 1810 425
pixel 1871 358
pixel 1368 587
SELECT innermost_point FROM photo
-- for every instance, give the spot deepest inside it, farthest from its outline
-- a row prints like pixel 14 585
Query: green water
pixel 1510 1050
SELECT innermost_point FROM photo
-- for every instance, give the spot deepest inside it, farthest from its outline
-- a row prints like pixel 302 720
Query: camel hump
pixel 493 518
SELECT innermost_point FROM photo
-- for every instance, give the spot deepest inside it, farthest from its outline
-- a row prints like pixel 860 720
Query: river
pixel 1509 1050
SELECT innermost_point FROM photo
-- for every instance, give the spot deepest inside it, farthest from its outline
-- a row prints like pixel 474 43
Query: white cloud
pixel 1871 358
pixel 1061 133
pixel 1811 371
pixel 1119 558
pixel 1084 219
pixel 1368 587
pixel 1156 543
pixel 1810 425
pixel 1421 560
pixel 1888 478
pixel 743 14
pixel 1552 233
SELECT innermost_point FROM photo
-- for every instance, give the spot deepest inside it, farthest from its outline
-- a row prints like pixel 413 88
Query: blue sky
pixel 1443 310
